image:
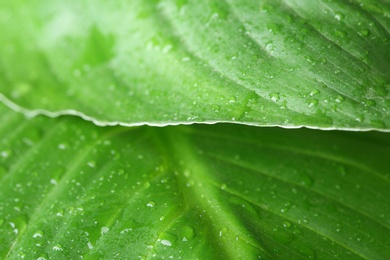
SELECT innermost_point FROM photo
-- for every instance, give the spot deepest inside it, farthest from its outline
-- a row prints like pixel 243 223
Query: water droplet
pixel 312 102
pixel 369 102
pixel 364 33
pixel 62 146
pixel 38 234
pixel 151 204
pixel 42 257
pixel 187 233
pixel 286 224
pixel 307 252
pixel 166 242
pixel 223 231
pixel 282 236
pixel 340 33
pixel 272 27
pixel 339 99
pixel 286 207
pixel 216 108
pixel 5 154
pixel 104 230
pixel 274 96
pixel 314 92
pixel 58 247
pixel 89 244
pixel 339 16
pixel 359 119
pixel 91 164
pixel 306 181
pixel 126 230
pixel 167 239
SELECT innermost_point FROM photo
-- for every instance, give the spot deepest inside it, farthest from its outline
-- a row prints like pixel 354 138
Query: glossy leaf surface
pixel 323 64
pixel 70 189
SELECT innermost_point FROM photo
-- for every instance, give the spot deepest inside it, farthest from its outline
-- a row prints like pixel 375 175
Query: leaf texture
pixel 70 189
pixel 321 64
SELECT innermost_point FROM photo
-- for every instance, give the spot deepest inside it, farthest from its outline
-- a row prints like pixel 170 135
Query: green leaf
pixel 322 64
pixel 70 189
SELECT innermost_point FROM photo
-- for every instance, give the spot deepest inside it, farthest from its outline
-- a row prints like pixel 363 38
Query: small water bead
pixel 38 234
pixel 151 204
pixel 223 231
pixel 187 233
pixel 285 207
pixel 282 236
pixel 274 97
pixel 167 239
pixel 339 99
pixel 166 242
pixel 91 164
pixel 340 33
pixel 364 33
pixel 42 257
pixel 312 102
pixel 5 154
pixel 314 92
pixel 286 224
pixel 58 247
pixel 62 146
pixel 126 230
pixel 339 16
pixel 305 180
pixel 216 108
pixel 369 102
pixel 307 252
pixel 104 230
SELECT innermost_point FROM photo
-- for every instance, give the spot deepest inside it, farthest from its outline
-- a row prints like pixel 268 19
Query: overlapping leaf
pixel 323 64
pixel 214 192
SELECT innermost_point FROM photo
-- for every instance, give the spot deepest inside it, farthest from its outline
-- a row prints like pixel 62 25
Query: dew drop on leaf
pixel 42 257
pixel 282 236
pixel 168 239
pixel 339 16
pixel 312 102
pixel 285 207
pixel 187 233
pixel 166 242
pixel 364 33
pixel 104 230
pixel 223 231
pixel 151 204
pixel 274 97
pixel 286 224
pixel 58 247
pixel 91 164
pixel 339 99
pixel 306 251
pixel 306 181
pixel 340 33
pixel 369 102
pixel 38 234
